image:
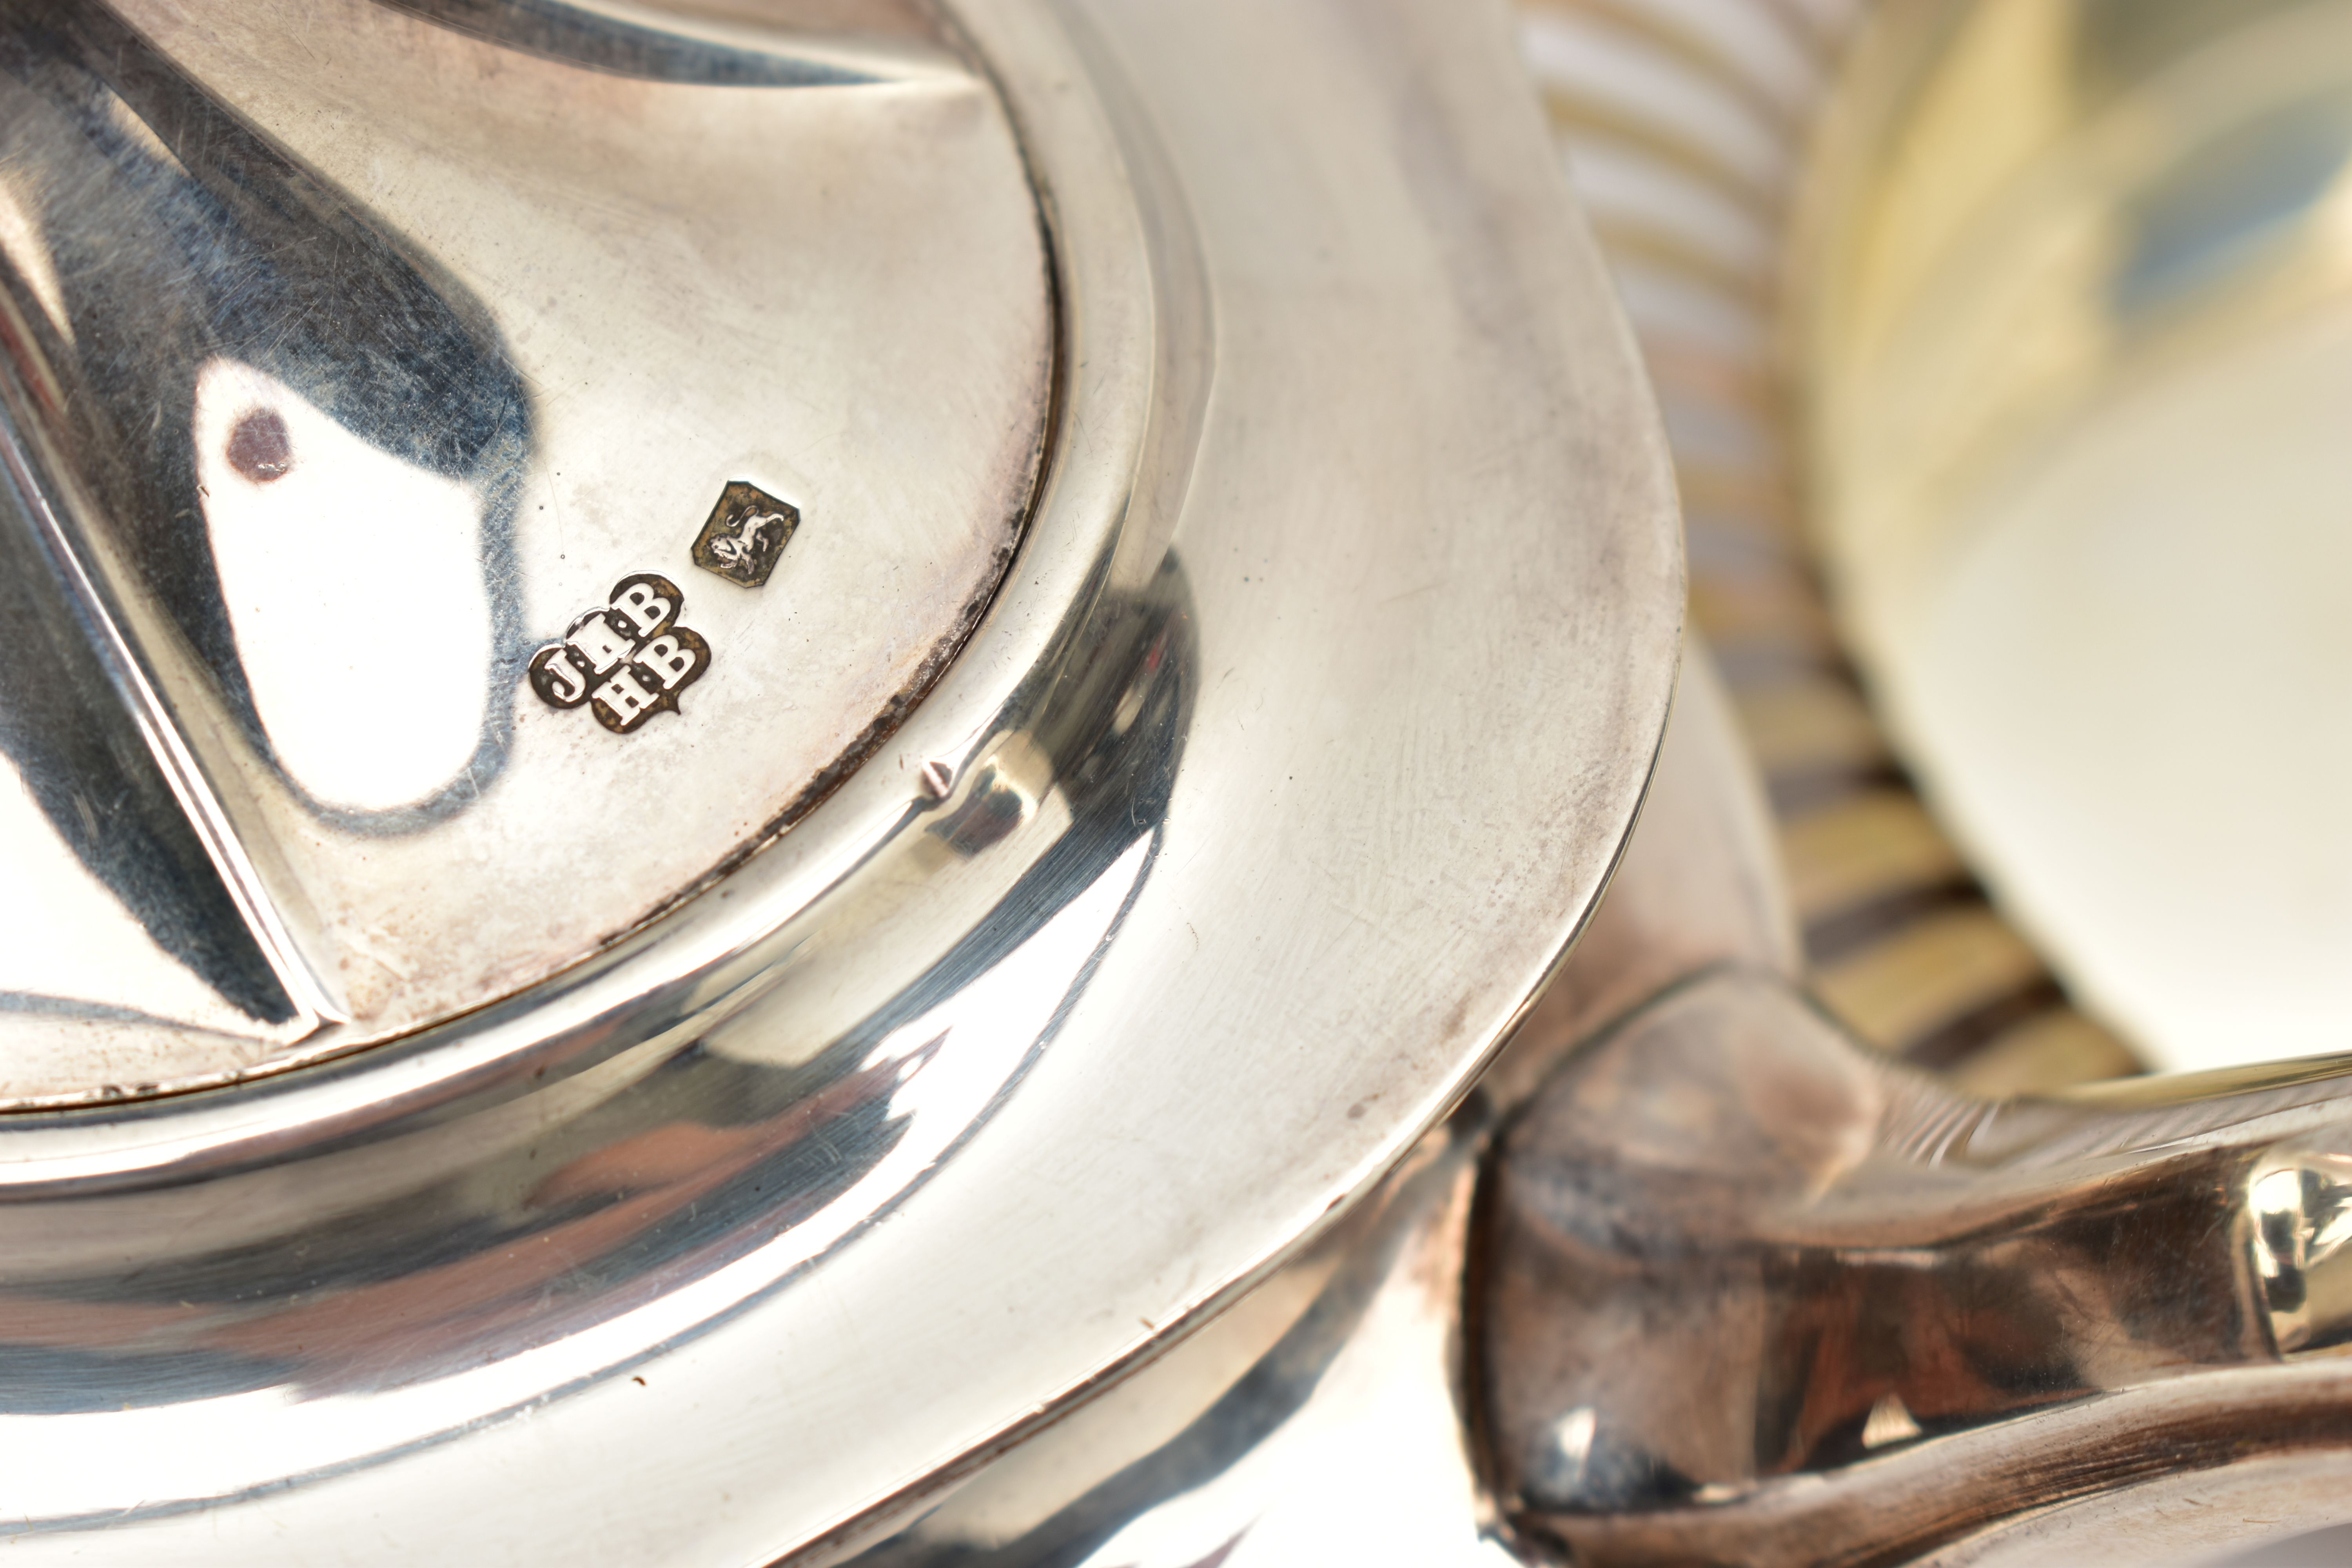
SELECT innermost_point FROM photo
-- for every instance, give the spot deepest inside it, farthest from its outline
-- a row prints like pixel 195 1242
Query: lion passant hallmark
pixel 745 534
pixel 628 658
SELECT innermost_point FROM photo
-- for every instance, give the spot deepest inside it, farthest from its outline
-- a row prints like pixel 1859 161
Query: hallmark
pixel 627 658
pixel 746 534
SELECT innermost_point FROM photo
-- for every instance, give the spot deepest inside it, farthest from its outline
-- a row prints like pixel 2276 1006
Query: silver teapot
pixel 792 781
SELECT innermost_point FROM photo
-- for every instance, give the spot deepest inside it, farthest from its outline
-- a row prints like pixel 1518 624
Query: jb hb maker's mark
pixel 627 658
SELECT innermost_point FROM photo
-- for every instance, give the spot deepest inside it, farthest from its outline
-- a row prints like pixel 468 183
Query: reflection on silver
pixel 686 1185
pixel 2301 1197
pixel 1804 1305
pixel 352 581
pixel 129 826
pixel 1890 1421
pixel 1750 1293
pixel 1328 1415
pixel 907 1098
pixel 345 385
pixel 1249 815
pixel 1320 1423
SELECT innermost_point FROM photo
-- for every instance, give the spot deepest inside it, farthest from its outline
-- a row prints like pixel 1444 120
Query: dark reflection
pixel 1988 1328
pixel 2122 43
pixel 177 235
pixel 89 770
pixel 64 1380
pixel 2238 199
pixel 559 32
pixel 695 1166
pixel 1725 1244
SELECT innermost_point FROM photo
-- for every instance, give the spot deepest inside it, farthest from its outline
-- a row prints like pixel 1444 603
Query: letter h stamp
pixel 627 658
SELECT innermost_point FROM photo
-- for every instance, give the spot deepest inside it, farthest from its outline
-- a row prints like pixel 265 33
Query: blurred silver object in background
pixel 1689 131
pixel 2073 326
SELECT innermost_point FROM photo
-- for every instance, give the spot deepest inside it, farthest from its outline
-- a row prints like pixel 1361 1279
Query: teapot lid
pixel 453 539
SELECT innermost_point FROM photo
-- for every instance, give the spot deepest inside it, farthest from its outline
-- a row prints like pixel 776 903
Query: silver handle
pixel 1759 1295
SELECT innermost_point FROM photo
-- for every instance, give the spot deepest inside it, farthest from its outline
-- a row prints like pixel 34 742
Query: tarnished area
pixel 339 387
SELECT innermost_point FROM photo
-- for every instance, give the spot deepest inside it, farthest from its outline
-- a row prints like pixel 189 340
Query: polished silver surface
pixel 345 385
pixel 1761 1296
pixel 1269 787
pixel 2301 1198
pixel 1027 1158
pixel 1329 1414
pixel 1753 1295
pixel 1320 1420
pixel 1745 1291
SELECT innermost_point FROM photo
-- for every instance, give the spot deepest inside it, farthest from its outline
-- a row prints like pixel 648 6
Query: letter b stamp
pixel 627 660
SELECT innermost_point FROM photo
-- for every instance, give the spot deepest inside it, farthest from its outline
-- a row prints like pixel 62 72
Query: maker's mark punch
pixel 746 534
pixel 627 660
